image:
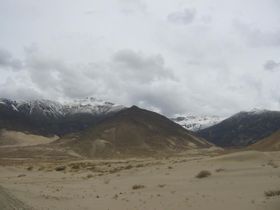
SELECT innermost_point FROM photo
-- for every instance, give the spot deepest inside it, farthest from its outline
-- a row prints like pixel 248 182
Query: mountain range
pixel 49 117
pixel 92 127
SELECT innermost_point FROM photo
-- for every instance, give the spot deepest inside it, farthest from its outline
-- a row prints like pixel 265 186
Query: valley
pixel 134 158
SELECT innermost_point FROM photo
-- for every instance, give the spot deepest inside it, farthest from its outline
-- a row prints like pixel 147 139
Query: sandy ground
pixel 10 138
pixel 237 181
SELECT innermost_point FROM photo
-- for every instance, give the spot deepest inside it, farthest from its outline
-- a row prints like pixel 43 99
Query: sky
pixel 205 57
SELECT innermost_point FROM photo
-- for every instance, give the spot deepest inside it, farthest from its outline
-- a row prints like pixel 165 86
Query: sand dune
pixel 245 156
pixel 16 138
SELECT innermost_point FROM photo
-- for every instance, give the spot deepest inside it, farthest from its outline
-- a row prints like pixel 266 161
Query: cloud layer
pixel 170 56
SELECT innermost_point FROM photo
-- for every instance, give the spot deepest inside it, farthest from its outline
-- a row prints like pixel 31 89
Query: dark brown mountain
pixel 133 131
pixel 243 129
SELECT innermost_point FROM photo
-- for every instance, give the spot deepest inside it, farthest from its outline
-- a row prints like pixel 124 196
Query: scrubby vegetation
pixel 137 186
pixel 203 174
pixel 272 193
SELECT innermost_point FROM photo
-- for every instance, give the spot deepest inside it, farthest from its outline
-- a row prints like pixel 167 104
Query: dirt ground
pixel 236 181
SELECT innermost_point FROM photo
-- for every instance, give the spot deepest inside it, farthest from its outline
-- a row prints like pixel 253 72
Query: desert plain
pixel 244 180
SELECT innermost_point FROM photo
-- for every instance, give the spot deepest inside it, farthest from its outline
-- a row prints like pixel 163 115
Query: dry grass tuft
pixel 29 168
pixel 128 167
pixel 272 164
pixel 220 170
pixel 272 193
pixel 60 168
pixel 203 174
pixel 41 168
pixel 89 176
pixel 138 186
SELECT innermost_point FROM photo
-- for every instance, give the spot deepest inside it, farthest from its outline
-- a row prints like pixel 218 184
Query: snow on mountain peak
pixel 196 123
pixel 257 111
pixel 50 108
pixel 91 105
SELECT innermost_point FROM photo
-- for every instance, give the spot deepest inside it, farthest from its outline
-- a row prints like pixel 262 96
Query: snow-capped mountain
pixel 243 128
pixel 49 117
pixel 196 123
pixel 53 109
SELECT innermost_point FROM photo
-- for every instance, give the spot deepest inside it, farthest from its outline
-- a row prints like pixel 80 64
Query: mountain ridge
pixel 243 128
pixel 133 130
pixel 48 117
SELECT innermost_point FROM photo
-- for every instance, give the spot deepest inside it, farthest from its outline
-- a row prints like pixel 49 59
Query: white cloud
pixel 172 56
pixel 182 17
pixel 271 65
pixel 8 62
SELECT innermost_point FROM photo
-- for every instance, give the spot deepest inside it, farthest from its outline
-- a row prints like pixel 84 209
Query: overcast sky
pixel 172 56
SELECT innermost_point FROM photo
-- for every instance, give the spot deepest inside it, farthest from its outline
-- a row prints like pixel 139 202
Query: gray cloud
pixel 125 78
pixel 132 6
pixel 257 37
pixel 7 61
pixel 182 17
pixel 90 12
pixel 138 67
pixel 271 65
pixel 210 67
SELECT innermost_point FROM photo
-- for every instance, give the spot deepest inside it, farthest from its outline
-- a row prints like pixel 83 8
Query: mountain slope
pixel 49 118
pixel 243 129
pixel 196 123
pixel 133 131
pixel 270 143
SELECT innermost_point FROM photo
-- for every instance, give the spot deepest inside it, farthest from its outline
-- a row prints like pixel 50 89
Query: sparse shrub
pixel 60 168
pixel 89 176
pixel 29 168
pixel 128 167
pixel 137 186
pixel 220 170
pixel 41 168
pixel 75 166
pixel 116 196
pixel 21 175
pixel 203 174
pixel 114 170
pixel 272 164
pixel 161 185
pixel 272 193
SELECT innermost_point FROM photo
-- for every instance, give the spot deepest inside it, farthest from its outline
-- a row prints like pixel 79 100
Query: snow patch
pixel 196 123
